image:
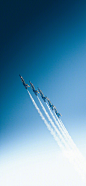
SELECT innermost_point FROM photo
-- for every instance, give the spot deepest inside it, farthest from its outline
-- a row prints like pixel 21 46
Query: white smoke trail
pixel 62 128
pixel 68 137
pixel 68 154
pixel 75 151
pixel 65 133
pixel 59 126
pixel 59 134
pixel 46 123
pixel 74 154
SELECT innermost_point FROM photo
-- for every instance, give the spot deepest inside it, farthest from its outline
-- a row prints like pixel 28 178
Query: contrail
pixel 65 134
pixel 46 123
pixel 73 145
pixel 59 126
pixel 79 157
pixel 71 155
pixel 74 154
pixel 59 134
pixel 68 154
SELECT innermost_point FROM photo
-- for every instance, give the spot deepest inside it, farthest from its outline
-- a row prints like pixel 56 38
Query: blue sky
pixel 45 42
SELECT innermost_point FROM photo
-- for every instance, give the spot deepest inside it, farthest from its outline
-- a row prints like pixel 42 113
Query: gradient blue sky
pixel 45 42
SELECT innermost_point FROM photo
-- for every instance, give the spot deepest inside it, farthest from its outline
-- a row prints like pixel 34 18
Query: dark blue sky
pixel 45 42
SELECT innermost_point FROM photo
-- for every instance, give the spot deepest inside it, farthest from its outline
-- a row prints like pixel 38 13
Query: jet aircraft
pixel 58 114
pixel 25 85
pixel 43 97
pixel 50 104
pixel 33 88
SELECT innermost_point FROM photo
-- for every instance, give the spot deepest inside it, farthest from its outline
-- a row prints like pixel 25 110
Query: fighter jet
pixel 43 97
pixel 25 85
pixel 58 114
pixel 33 88
pixel 55 109
pixel 50 104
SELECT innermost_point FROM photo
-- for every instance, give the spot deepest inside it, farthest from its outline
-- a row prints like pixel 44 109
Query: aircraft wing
pixel 27 85
pixel 32 86
pixel 48 99
pixel 36 91
pixel 40 91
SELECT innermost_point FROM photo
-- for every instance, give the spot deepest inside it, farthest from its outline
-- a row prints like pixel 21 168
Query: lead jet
pixel 25 85
pixel 58 114
pixel 50 104
pixel 33 88
pixel 43 97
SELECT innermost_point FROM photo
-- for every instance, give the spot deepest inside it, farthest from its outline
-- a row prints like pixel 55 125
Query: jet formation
pixel 45 98
pixel 50 104
pixel 25 85
pixel 33 88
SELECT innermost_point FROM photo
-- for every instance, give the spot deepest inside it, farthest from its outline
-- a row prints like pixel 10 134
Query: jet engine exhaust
pixel 46 123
